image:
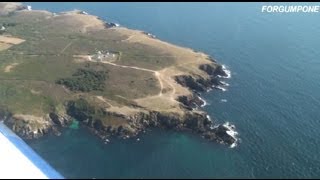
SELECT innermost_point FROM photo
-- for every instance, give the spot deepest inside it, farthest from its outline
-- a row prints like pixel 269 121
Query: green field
pixel 51 68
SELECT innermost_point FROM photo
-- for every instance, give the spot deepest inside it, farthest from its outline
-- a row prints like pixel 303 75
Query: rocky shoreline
pixel 193 121
pixel 190 118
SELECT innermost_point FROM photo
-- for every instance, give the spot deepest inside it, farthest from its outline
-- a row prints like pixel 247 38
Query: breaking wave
pixel 224 83
pixel 204 102
pixel 221 88
pixel 232 132
pixel 224 100
pixel 227 71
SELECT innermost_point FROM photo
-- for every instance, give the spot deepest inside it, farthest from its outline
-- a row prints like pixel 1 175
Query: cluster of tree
pixel 85 80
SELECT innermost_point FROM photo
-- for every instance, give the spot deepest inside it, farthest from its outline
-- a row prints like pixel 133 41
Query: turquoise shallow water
pixel 273 97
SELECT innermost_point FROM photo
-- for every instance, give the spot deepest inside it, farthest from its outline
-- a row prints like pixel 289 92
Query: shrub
pixel 85 80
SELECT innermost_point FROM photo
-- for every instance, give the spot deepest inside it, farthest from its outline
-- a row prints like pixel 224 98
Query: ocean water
pixel 273 98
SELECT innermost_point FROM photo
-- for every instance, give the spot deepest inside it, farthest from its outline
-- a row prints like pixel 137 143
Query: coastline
pixel 195 120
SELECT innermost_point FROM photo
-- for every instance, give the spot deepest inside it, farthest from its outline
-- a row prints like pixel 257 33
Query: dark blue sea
pixel 273 98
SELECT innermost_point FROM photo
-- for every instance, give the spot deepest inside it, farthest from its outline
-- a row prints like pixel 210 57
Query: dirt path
pixel 102 99
pixel 167 80
pixel 158 74
pixel 65 47
pixel 130 67
pixel 11 40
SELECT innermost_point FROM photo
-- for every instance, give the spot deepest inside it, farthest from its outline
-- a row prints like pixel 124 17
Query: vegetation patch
pixel 81 110
pixel 85 80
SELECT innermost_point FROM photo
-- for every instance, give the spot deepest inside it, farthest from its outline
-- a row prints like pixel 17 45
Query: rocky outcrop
pixel 29 126
pixel 61 120
pixel 190 82
pixel 221 133
pixel 200 84
pixel 7 8
pixel 213 71
pixel 192 120
pixel 191 101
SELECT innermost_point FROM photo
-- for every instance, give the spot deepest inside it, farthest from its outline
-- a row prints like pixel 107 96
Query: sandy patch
pixel 11 40
pixel 4 46
pixel 125 110
pixel 35 92
pixel 10 67
pixel 159 103
pixel 81 58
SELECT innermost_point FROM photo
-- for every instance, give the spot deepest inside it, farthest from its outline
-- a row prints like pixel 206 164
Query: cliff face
pixel 29 126
pixel 199 83
pixel 191 120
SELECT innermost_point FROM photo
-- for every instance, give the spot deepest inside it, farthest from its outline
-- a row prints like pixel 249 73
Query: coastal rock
pixel 213 71
pixel 219 71
pixel 190 82
pixel 222 135
pixel 29 126
pixel 200 84
pixel 197 122
pixel 62 120
pixel 190 101
pixel 208 68
pixel 7 8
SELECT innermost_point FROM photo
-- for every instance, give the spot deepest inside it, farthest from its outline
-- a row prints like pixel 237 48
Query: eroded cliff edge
pixel 173 77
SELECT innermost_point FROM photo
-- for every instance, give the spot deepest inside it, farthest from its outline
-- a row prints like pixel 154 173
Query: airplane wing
pixel 19 161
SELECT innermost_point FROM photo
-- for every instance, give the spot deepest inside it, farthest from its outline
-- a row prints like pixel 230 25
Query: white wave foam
pixel 227 71
pixel 29 8
pixel 224 83
pixel 224 100
pixel 233 145
pixel 208 117
pixel 221 88
pixel 204 102
pixel 232 132
pixel 84 12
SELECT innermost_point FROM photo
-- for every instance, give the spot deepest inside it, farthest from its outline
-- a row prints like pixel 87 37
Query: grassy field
pixel 142 74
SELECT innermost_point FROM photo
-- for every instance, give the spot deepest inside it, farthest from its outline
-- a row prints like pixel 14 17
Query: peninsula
pixel 57 68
